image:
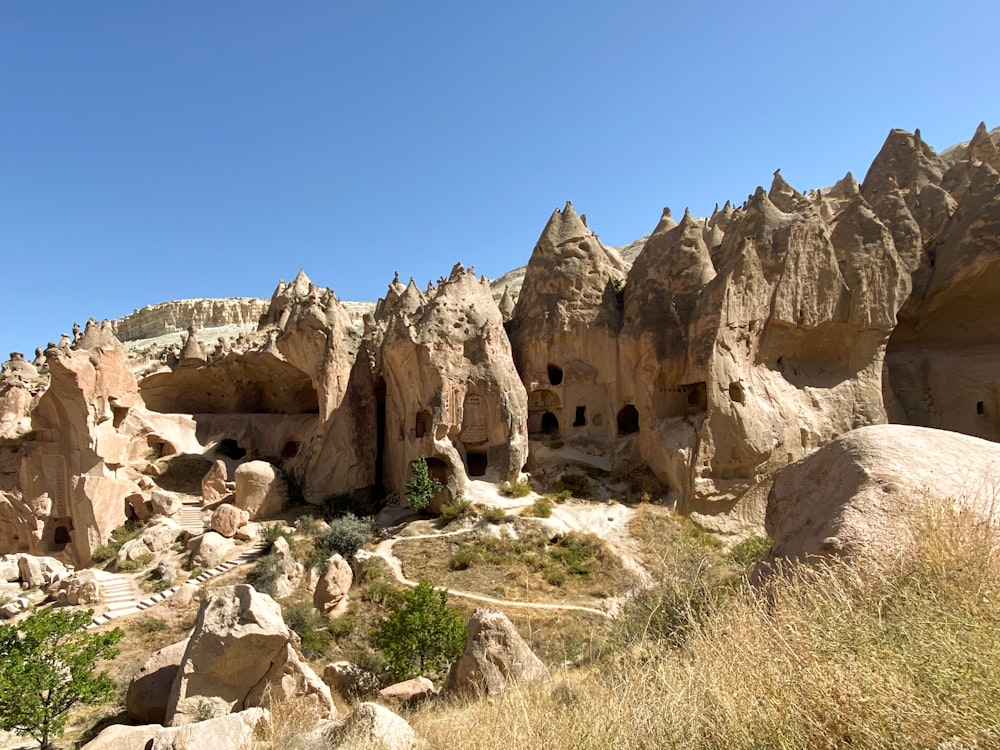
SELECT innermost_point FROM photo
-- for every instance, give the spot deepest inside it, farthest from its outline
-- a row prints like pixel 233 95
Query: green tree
pixel 422 486
pixel 47 666
pixel 423 635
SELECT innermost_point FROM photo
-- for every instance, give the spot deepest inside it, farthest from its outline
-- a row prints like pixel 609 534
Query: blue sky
pixel 154 150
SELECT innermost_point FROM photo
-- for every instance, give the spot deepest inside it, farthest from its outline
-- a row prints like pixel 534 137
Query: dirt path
pixel 608 522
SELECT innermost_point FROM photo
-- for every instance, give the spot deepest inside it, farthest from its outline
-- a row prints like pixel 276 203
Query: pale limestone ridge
pixel 178 315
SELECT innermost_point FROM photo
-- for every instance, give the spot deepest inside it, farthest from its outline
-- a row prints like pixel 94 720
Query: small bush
pixel 310 626
pixel 151 625
pixel 542 508
pixel 493 514
pixel 463 558
pixel 750 551
pixel 382 592
pixel 265 574
pixel 574 551
pixel 307 525
pixel 130 566
pixel 128 530
pixel 454 510
pixel 272 532
pixel 519 488
pixel 345 536
pixel 577 485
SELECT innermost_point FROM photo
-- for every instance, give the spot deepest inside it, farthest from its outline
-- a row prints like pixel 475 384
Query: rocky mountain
pixel 729 347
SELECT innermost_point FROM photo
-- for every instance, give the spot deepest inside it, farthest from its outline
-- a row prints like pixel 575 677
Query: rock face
pixel 731 347
pixel 240 651
pixel 233 732
pixel 452 393
pixel 853 495
pixel 178 315
pixel 564 334
pixel 149 690
pixel 495 657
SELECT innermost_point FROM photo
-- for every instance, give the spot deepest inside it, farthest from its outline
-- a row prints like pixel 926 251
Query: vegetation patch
pixel 520 488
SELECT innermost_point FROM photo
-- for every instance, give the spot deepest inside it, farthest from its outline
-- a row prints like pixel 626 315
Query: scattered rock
pixel 372 725
pixel 165 503
pixel 407 693
pixel 495 657
pixel 79 588
pixel 240 652
pixel 232 732
pixel 350 679
pixel 330 596
pixel 209 549
pixel 228 519
pixel 214 485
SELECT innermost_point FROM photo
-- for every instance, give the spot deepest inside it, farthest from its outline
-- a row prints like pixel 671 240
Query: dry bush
pixel 905 653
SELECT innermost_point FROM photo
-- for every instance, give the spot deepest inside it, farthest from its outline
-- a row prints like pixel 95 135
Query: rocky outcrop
pixel 149 690
pixel 179 315
pixel 232 732
pixel 451 391
pixel 564 334
pixel 241 651
pixel 495 657
pixel 261 490
pixel 331 594
pixel 373 726
pixel 860 493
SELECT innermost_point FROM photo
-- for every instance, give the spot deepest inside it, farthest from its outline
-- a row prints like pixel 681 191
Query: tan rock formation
pixel 331 594
pixel 564 334
pixel 495 657
pixel 149 690
pixel 373 726
pixel 214 485
pixel 228 519
pixel 452 393
pixel 854 495
pixel 240 651
pixel 261 490
pixel 178 315
pixel 232 732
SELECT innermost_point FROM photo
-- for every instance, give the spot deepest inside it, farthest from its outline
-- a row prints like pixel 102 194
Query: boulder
pixel 240 654
pixel 209 549
pixel 9 569
pixel 14 608
pixel 165 503
pixel 349 679
pixel 133 550
pixel 232 732
pixel 495 657
pixel 374 726
pixel 330 596
pixel 161 535
pixel 854 495
pixel 31 571
pixel 149 690
pixel 261 489
pixel 406 693
pixel 79 588
pixel 213 484
pixel 290 571
pixel 228 519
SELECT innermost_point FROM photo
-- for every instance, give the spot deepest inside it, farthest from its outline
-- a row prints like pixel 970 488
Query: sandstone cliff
pixel 167 317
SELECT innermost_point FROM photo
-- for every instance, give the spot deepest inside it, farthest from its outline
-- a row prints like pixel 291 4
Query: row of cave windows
pixel 628 420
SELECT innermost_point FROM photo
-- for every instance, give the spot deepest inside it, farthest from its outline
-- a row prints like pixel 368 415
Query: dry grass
pixel 577 569
pixel 902 654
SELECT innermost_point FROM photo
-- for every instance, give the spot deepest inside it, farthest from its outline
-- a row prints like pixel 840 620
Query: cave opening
pixel 628 420
pixel 550 424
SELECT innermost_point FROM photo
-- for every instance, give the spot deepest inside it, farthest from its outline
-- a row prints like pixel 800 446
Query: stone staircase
pixel 120 594
pixel 190 518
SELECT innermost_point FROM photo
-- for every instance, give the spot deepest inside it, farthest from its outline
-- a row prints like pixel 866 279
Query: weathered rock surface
pixel 178 315
pixel 209 549
pixel 350 679
pixel 452 393
pixel 406 693
pixel 240 651
pixel 331 594
pixel 149 690
pixel 261 490
pixel 214 485
pixel 855 495
pixel 232 732
pixel 495 657
pixel 372 725
pixel 81 587
pixel 228 519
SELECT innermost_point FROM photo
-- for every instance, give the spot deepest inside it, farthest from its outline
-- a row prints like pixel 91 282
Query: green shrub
pixel 454 510
pixel 345 536
pixel 130 566
pixel 151 625
pixel 307 525
pixel 519 488
pixel 542 508
pixel 272 532
pixel 750 551
pixel 265 574
pixel 493 514
pixel 574 551
pixel 463 558
pixel 577 485
pixel 128 530
pixel 421 486
pixel 382 592
pixel 422 635
pixel 310 626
